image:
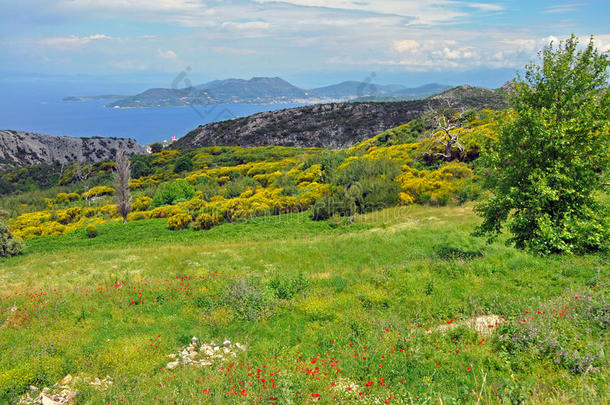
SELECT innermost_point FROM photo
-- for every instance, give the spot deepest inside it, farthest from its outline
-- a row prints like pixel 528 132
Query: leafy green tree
pixel 156 147
pixel 550 160
pixel 183 164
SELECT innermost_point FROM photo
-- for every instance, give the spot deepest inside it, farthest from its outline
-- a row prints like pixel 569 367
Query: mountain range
pixel 335 125
pixel 267 90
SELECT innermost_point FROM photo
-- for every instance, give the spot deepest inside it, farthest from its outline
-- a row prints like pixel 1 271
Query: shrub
pixel 179 221
pixel 171 193
pixel 98 191
pixel 141 203
pixel 67 197
pixel 9 245
pixel 183 164
pixel 207 221
pixel 138 216
pixel 91 231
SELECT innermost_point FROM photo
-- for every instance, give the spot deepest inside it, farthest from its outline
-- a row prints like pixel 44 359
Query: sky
pixel 309 42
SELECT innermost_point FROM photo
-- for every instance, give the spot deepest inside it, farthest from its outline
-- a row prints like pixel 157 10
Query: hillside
pixel 271 274
pixel 24 148
pixel 270 90
pixel 335 125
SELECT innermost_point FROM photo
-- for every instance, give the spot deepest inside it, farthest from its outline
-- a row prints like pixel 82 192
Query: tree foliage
pixel 550 160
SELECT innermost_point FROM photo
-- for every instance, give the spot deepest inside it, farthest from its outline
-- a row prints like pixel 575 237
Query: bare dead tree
pixel 81 173
pixel 123 175
pixel 446 133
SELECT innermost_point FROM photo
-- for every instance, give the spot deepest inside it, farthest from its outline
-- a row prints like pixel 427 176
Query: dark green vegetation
pixel 548 163
pixel 9 245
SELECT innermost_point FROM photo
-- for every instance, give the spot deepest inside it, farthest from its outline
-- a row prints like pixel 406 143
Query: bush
pixel 141 203
pixel 91 231
pixel 183 164
pixel 9 245
pixel 171 193
pixel 207 221
pixel 138 216
pixel 179 221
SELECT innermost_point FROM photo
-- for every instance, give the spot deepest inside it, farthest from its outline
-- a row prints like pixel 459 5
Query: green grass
pixel 292 290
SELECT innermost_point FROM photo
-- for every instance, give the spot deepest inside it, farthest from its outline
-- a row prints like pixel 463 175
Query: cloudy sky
pixel 309 41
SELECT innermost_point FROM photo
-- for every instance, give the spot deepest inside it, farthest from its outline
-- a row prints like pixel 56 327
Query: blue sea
pixel 38 108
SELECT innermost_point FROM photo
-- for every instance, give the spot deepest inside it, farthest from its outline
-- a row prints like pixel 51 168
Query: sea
pixel 39 109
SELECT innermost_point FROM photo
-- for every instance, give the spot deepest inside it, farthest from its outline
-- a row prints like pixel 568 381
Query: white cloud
pixel 406 45
pixel 71 40
pixel 169 54
pixel 248 25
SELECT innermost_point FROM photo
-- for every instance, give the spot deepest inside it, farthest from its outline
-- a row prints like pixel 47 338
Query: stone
pixel 172 365
pixel 66 380
pixel 226 343
pixel 241 347
pixel 33 388
pixel 48 401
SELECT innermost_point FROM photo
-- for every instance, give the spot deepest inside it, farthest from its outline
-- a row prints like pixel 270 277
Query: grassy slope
pixel 382 272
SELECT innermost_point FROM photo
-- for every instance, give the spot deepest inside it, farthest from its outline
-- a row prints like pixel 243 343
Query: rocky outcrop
pixel 24 148
pixel 334 125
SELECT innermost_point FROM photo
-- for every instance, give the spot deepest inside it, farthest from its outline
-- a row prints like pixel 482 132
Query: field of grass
pixel 375 311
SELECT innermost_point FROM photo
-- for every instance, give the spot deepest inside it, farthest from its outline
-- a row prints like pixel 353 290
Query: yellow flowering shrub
pixel 207 221
pixel 98 191
pixel 67 197
pixel 138 215
pixel 179 221
pixel 433 186
pixel 141 203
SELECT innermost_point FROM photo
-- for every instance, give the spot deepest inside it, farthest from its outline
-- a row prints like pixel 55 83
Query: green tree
pixel 183 164
pixel 549 161
pixel 156 147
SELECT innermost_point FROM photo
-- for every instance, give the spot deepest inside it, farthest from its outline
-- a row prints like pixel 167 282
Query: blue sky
pixel 310 42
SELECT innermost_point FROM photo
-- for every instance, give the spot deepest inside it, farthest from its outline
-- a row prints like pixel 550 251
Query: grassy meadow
pixel 374 310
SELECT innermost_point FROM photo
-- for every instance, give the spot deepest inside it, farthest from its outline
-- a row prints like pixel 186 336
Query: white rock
pixel 48 401
pixel 226 343
pixel 172 365
pixel 66 380
pixel 33 388
pixel 226 350
pixel 241 347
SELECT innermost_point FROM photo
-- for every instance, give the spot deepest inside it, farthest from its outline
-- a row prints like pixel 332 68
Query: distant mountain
pixel 77 99
pixel 24 148
pixel 333 125
pixel 270 90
